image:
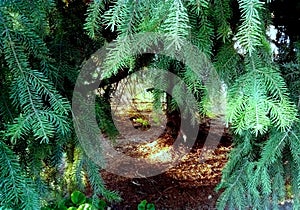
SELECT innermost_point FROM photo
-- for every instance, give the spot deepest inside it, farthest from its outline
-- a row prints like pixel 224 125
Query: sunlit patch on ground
pixel 201 166
pixel 147 147
pixel 192 179
pixel 163 155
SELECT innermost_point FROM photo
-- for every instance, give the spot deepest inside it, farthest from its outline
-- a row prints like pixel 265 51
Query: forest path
pixel 188 185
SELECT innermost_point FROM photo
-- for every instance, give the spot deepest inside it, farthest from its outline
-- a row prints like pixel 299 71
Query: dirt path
pixel 188 185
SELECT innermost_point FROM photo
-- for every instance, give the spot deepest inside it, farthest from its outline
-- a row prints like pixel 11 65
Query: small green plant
pixel 78 198
pixel 77 201
pixel 140 121
pixel 289 192
pixel 144 122
pixel 144 205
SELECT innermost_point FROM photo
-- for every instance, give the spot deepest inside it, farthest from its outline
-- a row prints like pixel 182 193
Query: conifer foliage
pixel 37 113
pixel 260 110
pixel 36 131
pixel 44 42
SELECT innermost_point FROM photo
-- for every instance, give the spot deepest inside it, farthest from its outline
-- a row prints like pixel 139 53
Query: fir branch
pixel 176 26
pixel 152 14
pixel 249 33
pixel 228 63
pixel 294 147
pixel 202 31
pixel 198 5
pixel 124 17
pixel 278 182
pixel 205 36
pixel 97 183
pixel 262 98
pixel 272 150
pixel 114 15
pixel 22 30
pixel 118 57
pixel 34 85
pixel 15 187
pixel 234 194
pixel 93 19
pixel 222 14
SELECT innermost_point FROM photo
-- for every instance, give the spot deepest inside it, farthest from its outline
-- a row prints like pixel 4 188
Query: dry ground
pixel 188 185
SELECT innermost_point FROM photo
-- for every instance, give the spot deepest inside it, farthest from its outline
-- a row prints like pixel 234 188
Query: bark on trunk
pixel 173 119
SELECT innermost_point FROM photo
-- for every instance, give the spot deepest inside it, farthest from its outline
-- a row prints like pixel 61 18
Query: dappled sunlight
pixel 163 155
pixel 202 166
pixel 147 147
pixel 156 152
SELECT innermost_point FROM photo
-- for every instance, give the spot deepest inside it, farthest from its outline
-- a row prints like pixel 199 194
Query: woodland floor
pixel 188 185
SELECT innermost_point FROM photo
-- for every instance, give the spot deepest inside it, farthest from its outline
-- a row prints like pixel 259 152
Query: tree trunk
pixel 173 119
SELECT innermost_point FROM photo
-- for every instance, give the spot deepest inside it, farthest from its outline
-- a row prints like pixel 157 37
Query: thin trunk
pixel 173 119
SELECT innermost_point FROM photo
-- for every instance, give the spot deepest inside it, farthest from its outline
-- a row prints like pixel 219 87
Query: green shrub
pixel 144 205
pixel 77 201
pixel 144 122
pixel 78 197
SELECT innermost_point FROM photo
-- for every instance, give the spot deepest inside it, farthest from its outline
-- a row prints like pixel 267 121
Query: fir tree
pixel 44 42
pixel 260 110
pixel 38 68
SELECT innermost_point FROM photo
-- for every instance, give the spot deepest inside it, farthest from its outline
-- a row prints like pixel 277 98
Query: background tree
pixel 42 47
pixel 261 112
pixel 44 43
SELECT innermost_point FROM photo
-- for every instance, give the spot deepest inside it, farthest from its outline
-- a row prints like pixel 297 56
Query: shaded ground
pixel 188 185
